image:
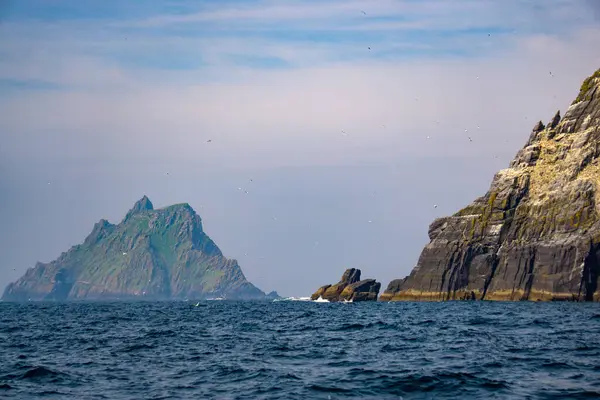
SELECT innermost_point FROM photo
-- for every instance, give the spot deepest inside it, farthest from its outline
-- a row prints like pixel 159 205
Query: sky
pixel 347 122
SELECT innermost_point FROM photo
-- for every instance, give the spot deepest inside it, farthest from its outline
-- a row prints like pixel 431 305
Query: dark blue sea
pixel 300 350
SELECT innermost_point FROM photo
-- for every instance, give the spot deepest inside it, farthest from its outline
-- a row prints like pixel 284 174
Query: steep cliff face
pixel 535 235
pixel 151 254
pixel 349 288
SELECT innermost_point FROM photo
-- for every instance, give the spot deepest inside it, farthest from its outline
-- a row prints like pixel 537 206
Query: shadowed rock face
pixel 349 288
pixel 535 235
pixel 151 254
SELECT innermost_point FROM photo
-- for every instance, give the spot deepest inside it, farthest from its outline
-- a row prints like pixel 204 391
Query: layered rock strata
pixel 535 235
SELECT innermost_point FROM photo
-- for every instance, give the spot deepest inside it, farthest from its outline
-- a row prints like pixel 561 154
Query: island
pixel 350 288
pixel 535 235
pixel 151 254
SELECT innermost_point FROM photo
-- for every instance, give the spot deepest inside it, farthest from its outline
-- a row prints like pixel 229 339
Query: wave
pixel 261 350
pixel 321 300
pixel 42 373
pixel 293 299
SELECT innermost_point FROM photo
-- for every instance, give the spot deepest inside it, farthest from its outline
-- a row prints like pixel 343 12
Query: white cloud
pixel 297 10
pixel 298 115
pixel 378 15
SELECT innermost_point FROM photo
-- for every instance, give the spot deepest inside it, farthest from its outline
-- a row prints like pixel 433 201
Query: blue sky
pixel 102 98
pixel 192 36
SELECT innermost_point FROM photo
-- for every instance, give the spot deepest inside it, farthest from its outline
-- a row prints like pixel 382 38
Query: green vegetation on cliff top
pixel 586 86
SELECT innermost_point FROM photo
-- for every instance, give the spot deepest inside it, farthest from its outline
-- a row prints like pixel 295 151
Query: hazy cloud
pixel 103 108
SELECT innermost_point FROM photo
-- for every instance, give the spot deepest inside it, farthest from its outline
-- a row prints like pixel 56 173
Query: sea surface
pixel 300 350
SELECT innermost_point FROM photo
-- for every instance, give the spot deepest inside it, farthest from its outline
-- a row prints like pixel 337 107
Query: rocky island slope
pixel 349 288
pixel 535 235
pixel 152 254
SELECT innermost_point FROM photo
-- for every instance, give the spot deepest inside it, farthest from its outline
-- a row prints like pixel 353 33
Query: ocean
pixel 300 350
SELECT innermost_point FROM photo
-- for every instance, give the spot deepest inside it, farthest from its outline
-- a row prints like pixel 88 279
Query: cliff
pixel 535 235
pixel 152 254
pixel 349 288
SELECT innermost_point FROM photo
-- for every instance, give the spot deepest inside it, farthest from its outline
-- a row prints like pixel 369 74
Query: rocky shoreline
pixel 535 235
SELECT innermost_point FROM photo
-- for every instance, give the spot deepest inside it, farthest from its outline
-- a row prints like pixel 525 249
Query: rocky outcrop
pixel 152 254
pixel 535 235
pixel 349 288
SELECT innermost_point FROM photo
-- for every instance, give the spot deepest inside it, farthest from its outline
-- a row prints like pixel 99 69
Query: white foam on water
pixel 294 299
pixel 321 300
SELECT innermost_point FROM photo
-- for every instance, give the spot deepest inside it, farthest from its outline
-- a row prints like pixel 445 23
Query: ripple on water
pixel 299 350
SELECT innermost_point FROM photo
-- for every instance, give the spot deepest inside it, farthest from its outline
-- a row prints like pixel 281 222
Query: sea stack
pixel 535 235
pixel 151 255
pixel 349 288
